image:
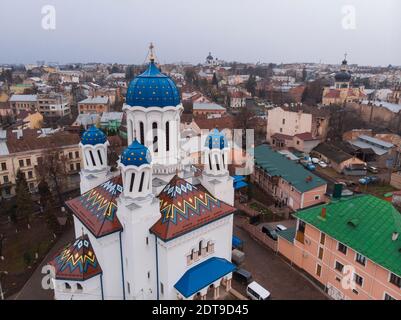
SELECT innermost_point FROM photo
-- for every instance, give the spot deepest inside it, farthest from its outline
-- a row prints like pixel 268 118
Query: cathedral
pixel 157 228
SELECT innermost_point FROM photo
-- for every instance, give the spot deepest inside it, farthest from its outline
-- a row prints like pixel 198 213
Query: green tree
pixel 251 85
pixel 215 81
pixel 23 199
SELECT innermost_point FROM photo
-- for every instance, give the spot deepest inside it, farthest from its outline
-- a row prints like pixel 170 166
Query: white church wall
pixel 90 289
pixel 172 255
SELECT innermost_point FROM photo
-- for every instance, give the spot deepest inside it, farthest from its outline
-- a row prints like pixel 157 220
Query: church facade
pixel 153 229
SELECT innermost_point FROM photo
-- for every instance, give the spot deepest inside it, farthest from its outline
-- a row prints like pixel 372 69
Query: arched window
pixel 67 286
pixel 200 247
pixel 224 161
pixel 142 133
pixel 141 182
pixel 100 157
pixel 192 254
pixel 79 287
pixel 167 136
pixel 131 186
pixel 155 138
pixel 210 162
pixel 217 162
pixel 92 158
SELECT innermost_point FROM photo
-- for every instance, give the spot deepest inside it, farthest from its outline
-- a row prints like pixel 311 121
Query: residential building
pixel 25 149
pixel 208 109
pixel 98 104
pixel 53 105
pixel 287 181
pixel 23 102
pixel 351 246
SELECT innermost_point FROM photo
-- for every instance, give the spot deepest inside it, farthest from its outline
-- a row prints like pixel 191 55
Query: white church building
pixel 154 229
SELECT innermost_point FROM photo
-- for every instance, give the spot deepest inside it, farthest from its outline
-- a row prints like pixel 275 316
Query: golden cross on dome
pixel 152 56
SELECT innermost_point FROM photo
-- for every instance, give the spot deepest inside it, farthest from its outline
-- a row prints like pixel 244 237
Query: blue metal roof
pixel 216 140
pixel 152 89
pixel 93 136
pixel 203 275
pixel 135 154
pixel 240 184
pixel 238 178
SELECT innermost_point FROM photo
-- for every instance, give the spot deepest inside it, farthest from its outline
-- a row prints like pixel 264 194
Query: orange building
pixel 97 104
pixel 351 246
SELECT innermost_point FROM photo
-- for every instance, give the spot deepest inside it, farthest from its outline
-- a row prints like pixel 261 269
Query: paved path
pixel 273 273
pixel 32 289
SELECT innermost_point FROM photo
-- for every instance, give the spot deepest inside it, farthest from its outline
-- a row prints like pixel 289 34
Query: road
pixel 273 273
pixel 32 289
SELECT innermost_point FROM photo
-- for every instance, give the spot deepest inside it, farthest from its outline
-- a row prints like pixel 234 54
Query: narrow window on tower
pixel 131 186
pixel 142 133
pixel 217 162
pixel 141 182
pixel 224 161
pixel 100 157
pixel 167 136
pixel 155 143
pixel 210 162
pixel 93 159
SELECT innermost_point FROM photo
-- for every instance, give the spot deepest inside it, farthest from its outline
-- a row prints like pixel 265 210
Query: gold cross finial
pixel 151 53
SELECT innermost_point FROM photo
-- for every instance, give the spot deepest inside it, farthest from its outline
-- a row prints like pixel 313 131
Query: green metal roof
pixel 364 223
pixel 276 164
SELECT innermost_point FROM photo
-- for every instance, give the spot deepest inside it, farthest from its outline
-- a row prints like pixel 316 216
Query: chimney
pixel 394 236
pixel 323 213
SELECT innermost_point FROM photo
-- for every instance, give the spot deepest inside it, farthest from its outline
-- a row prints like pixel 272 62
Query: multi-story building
pixel 287 182
pixel 351 246
pixel 98 104
pixel 53 105
pixel 23 102
pixel 26 149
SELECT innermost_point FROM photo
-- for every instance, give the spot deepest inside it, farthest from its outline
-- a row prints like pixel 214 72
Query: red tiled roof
pixel 223 122
pixel 281 136
pixel 185 207
pixel 76 261
pixel 97 208
pixel 332 93
pixel 306 136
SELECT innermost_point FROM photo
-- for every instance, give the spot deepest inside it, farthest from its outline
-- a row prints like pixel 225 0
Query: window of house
pixel 281 129
pixel 71 166
pixel 360 259
pixel 79 287
pixel 30 174
pixel 28 162
pixel 301 226
pixel 31 186
pixel 21 163
pixel 342 248
pixel 3 166
pixel 7 191
pixel 318 270
pixel 388 297
pixel 77 154
pixel 320 255
pixel 67 286
pixel 70 155
pixel 317 197
pixel 283 121
pixel 339 266
pixel 396 280
pixel 322 238
pixel 78 166
pixel 6 179
pixel 358 279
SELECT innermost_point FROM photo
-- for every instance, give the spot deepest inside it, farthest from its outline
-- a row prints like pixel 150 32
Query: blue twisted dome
pixel 216 140
pixel 93 136
pixel 152 89
pixel 135 154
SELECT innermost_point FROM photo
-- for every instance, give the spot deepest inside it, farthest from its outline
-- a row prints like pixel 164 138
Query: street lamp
pixel 2 273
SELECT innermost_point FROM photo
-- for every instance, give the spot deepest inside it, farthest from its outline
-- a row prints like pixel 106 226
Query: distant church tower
pixel 94 152
pixel 153 107
pixel 215 177
pixel 343 78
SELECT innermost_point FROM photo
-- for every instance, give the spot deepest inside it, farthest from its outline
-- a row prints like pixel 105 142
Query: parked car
pixel 237 256
pixel 237 243
pixel 315 160
pixel 280 227
pixel 242 276
pixel 256 292
pixel 373 169
pixel 323 164
pixel 270 232
pixel 368 180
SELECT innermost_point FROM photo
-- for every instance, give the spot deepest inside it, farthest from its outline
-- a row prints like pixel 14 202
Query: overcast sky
pixel 186 30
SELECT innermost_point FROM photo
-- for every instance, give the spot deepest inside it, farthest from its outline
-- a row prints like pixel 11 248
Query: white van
pixel 256 292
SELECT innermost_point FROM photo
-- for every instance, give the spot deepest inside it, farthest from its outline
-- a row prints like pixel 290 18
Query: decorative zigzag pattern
pixel 194 205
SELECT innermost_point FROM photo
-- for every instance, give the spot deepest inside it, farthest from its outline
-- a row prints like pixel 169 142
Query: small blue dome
pixel 93 136
pixel 135 154
pixel 216 140
pixel 152 89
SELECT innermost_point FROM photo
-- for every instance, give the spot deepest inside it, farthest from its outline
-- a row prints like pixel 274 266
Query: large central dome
pixel 152 89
